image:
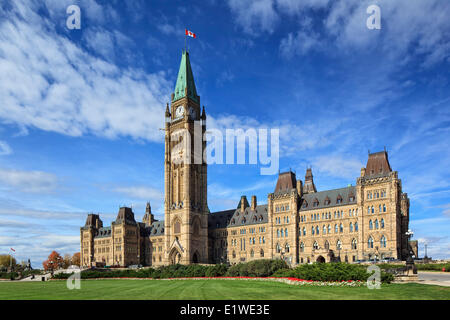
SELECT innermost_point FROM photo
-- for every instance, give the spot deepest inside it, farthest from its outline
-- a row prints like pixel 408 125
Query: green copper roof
pixel 185 80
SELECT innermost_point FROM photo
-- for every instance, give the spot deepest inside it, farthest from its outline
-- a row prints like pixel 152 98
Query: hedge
pixel 331 272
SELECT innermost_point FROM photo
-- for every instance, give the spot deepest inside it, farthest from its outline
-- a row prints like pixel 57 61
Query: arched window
pixel 302 247
pixel 176 228
pixel 234 254
pixel 370 225
pixel 336 228
pixel 382 223
pixel 317 229
pixel 285 232
pixel 286 247
pixel 341 228
pixel 312 230
pixel 350 227
pixel 339 199
pixel 244 220
pixel 356 226
pixel 379 208
pixel 281 232
pixel 324 229
pixel 376 224
pixel 278 233
pixel 315 245
pixel 304 231
pixel 354 244
pixel 252 254
pixel 372 209
pixel 339 245
pixel 327 245
pixel 370 243
pixel 329 229
pixel 368 210
pixel 383 242
pixel 384 208
pixel 278 248
pixel 261 253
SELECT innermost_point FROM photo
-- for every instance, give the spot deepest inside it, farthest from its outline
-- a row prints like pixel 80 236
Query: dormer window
pixel 305 204
pixel 327 201
pixel 316 203
pixel 339 199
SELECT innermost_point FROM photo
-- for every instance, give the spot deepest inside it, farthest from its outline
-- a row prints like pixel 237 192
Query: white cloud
pixel 254 16
pixel 28 181
pixel 50 83
pixel 339 166
pixel 5 149
pixel 141 192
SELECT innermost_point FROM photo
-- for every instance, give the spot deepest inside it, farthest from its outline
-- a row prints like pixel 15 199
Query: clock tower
pixel 185 204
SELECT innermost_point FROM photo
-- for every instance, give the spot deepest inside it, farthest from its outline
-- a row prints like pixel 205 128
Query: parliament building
pixel 298 223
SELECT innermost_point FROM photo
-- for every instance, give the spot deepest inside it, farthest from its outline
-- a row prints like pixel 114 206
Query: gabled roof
pixel 157 228
pixel 185 80
pixel 223 219
pixel 332 195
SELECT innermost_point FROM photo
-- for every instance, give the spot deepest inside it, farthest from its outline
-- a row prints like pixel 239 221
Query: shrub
pixel 257 268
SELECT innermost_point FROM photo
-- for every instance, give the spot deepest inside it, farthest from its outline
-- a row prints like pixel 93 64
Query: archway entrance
pixel 195 258
pixel 174 257
pixel 320 259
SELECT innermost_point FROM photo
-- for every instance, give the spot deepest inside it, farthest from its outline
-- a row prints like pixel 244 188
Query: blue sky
pixel 80 110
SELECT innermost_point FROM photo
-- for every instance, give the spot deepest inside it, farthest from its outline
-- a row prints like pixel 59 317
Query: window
pixel 317 229
pixel 282 233
pixel 351 227
pixel 316 202
pixel 315 245
pixel 384 208
pixel 339 245
pixel 278 248
pixel 304 231
pixel 278 233
pixel 312 230
pixel 329 229
pixel 376 224
pixel 383 242
pixel 341 228
pixel 335 228
pixel 356 226
pixel 327 245
pixel 370 225
pixel 261 253
pixel 379 208
pixel 286 247
pixel 370 243
pixel 286 232
pixel 302 247
pixel 324 230
pixel 339 199
pixel 354 244
pixel 368 210
pixel 305 204
pixel 382 223
pixel 252 254
pixel 372 209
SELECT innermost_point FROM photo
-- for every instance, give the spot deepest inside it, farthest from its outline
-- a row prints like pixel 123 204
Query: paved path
pixel 436 278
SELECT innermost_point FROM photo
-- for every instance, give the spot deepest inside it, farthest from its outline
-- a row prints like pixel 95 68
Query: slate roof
pixel 377 164
pixel 236 218
pixel 332 195
pixel 286 181
pixel 157 228
pixel 125 215
pixel 103 233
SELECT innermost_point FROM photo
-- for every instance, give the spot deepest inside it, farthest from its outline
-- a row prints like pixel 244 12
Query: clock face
pixel 192 113
pixel 179 112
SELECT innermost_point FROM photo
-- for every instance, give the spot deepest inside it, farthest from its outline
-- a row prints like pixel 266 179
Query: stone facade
pixel 298 224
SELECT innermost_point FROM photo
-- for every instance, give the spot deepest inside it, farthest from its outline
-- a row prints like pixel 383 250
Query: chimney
pixel 300 188
pixel 253 202
pixel 243 203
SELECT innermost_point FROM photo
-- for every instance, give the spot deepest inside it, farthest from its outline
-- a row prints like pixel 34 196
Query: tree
pixel 54 261
pixel 67 261
pixel 76 259
pixel 5 261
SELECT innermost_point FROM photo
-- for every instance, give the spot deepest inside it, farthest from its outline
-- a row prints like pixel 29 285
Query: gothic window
pixel 339 245
pixel 329 229
pixel 315 245
pixel 324 229
pixel 382 223
pixel 287 219
pixel 370 243
pixel 260 218
pixel 384 208
pixel 368 210
pixel 379 208
pixel 339 199
pixel 327 245
pixel 336 228
pixel 341 228
pixel 252 254
pixel 317 229
pixel 305 204
pixel 376 224
pixel 281 231
pixel 354 244
pixel 351 227
pixel 370 225
pixel 302 247
pixel 372 209
pixel 304 231
pixel 312 230
pixel 278 233
pixel 278 248
pixel 316 202
pixel 264 240
pixel 261 253
pixel 286 232
pixel 233 221
pixel 383 242
pixel 234 254
pixel 244 220
pixel 356 226
pixel 176 228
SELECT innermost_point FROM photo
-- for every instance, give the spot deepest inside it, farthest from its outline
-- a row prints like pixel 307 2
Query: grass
pixel 211 290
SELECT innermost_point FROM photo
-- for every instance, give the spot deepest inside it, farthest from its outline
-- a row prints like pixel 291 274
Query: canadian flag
pixel 190 33
pixel 13 250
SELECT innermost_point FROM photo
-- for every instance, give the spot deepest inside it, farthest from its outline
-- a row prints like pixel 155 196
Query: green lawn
pixel 210 289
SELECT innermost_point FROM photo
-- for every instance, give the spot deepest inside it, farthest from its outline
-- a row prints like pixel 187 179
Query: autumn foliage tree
pixel 76 259
pixel 54 261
